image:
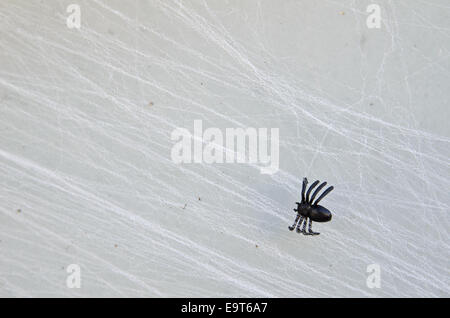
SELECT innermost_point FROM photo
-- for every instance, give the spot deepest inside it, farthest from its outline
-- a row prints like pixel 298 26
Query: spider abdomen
pixel 318 213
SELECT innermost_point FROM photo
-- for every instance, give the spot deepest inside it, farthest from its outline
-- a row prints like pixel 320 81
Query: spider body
pixel 308 209
pixel 316 213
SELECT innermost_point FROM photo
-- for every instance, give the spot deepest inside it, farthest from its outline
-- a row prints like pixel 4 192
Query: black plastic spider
pixel 307 209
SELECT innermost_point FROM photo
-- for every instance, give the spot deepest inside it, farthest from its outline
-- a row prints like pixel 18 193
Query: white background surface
pixel 86 175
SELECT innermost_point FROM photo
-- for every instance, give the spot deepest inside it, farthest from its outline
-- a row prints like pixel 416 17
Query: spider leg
pixel 317 192
pixel 292 227
pixel 305 183
pixel 303 228
pixel 310 231
pixel 328 190
pixel 300 223
pixel 310 189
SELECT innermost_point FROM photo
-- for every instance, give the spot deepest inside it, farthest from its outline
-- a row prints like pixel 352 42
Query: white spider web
pixel 86 175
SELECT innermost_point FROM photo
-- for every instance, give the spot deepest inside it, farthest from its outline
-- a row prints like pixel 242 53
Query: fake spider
pixel 309 210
